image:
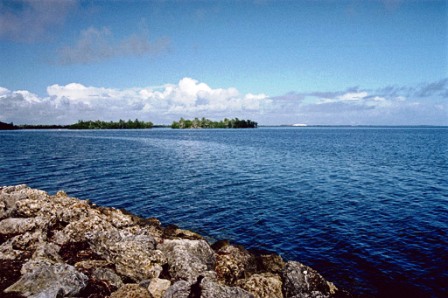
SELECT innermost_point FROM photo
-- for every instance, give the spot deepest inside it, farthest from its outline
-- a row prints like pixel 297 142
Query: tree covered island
pixel 136 124
pixel 98 124
pixel 207 123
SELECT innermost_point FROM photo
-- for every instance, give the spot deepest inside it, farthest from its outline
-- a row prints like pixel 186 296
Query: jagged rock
pixel 28 241
pixel 42 236
pixel 302 281
pixel 269 262
pixel 180 289
pixel 16 245
pixel 233 263
pixel 83 229
pixel 48 251
pixel 133 255
pixel 3 210
pixel 109 276
pixel 17 225
pixel 173 232
pixel 263 285
pixel 211 289
pixel 7 251
pixel 118 218
pixel 188 259
pixel 157 287
pixel 49 280
pixel 90 265
pixel 131 291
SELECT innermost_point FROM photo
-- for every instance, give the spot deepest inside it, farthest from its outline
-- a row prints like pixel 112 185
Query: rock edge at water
pixel 57 246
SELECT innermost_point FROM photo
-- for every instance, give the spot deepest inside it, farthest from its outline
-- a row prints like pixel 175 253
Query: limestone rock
pixel 43 236
pixel 109 276
pixel 211 289
pixel 269 262
pixel 233 263
pixel 118 218
pixel 157 287
pixel 180 289
pixel 263 285
pixel 131 291
pixel 133 255
pixel 90 265
pixel 48 251
pixel 173 232
pixel 49 280
pixel 302 281
pixel 17 225
pixel 187 259
pixel 29 240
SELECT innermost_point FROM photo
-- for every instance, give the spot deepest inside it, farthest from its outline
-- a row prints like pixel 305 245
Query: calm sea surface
pixel 367 207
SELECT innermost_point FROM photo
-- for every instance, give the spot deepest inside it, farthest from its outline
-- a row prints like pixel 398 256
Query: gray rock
pixel 29 240
pixel 211 289
pixel 48 251
pixel 187 259
pixel 49 280
pixel 11 195
pixel 110 245
pixel 17 225
pixel 7 251
pixel 300 281
pixel 109 276
pixel 133 255
pixel 180 289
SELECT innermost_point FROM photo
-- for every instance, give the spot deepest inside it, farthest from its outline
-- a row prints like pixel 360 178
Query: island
pixel 98 124
pixel 207 123
pixel 7 126
pixel 60 246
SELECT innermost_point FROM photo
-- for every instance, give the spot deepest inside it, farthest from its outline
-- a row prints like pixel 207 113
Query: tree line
pixel 98 124
pixel 137 124
pixel 207 123
pixel 121 124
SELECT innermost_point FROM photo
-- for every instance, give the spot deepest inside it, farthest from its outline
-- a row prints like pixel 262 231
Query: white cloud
pixel 74 101
pixel 353 96
pixel 64 104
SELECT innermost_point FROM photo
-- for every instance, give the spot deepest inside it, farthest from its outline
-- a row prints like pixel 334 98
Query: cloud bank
pixel 425 104
pixel 163 104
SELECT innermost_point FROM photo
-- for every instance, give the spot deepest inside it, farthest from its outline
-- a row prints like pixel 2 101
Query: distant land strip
pixel 121 124
pixel 137 124
pixel 207 123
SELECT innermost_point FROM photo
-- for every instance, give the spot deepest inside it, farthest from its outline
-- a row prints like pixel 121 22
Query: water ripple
pixel 367 207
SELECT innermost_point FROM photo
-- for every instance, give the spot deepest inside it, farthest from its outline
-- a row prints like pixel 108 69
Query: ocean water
pixel 366 207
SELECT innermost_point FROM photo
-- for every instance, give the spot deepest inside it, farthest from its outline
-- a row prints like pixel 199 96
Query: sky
pixel 275 62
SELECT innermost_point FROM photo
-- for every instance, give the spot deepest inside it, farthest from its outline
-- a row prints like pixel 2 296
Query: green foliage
pixel 136 124
pixel 206 123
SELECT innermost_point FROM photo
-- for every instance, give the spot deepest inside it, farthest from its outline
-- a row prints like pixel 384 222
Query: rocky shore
pixel 59 246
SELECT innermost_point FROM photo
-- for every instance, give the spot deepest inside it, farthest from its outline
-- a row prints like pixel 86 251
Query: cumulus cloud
pixel 98 44
pixel 64 104
pixel 162 104
pixel 30 20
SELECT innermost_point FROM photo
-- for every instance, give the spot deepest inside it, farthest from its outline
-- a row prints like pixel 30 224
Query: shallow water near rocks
pixel 366 207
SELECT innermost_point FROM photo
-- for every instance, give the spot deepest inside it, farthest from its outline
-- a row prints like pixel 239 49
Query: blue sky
pixel 275 62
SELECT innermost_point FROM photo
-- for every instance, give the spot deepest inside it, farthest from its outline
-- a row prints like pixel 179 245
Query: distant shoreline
pixel 6 126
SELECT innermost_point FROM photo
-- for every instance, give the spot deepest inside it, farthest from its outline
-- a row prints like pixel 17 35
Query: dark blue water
pixel 367 207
